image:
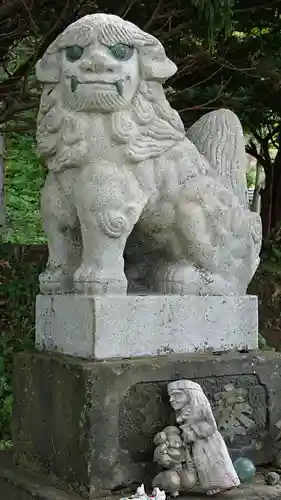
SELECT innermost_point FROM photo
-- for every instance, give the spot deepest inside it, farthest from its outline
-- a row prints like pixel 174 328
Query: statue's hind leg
pixel 61 226
pixel 194 264
pixel 183 278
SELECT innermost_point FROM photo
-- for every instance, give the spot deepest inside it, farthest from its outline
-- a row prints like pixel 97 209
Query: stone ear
pixel 48 68
pixel 155 65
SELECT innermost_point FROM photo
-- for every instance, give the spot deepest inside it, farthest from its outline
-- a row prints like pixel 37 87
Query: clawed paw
pixel 90 281
pixel 55 282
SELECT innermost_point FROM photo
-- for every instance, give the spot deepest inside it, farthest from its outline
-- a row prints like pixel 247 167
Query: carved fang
pixel 74 83
pixel 120 87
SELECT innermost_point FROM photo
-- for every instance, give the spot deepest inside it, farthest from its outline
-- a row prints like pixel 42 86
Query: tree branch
pixel 173 31
pixel 203 106
pixel 257 7
pixel 18 107
pixel 9 9
pixel 183 91
pixel 125 12
pixel 23 69
pixel 29 15
pixel 154 15
pixel 19 128
pixel 251 149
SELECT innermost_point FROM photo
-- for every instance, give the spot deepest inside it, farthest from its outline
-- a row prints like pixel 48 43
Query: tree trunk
pixel 266 193
pixel 276 191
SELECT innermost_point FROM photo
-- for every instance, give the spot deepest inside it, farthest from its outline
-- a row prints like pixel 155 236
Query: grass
pixel 19 286
pixel 24 178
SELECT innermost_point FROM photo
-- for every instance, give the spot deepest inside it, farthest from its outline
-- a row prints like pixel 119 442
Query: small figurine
pixel 210 456
pixel 180 473
pixel 272 478
pixel 140 493
pixel 157 494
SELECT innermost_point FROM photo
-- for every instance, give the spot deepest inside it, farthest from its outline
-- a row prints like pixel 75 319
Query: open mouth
pixel 118 84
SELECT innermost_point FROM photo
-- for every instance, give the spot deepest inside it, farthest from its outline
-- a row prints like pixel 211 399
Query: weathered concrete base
pixel 16 484
pixel 258 490
pixel 91 424
pixel 19 484
pixel 131 326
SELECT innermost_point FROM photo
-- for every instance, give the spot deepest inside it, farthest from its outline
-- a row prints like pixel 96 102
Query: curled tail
pixel 219 137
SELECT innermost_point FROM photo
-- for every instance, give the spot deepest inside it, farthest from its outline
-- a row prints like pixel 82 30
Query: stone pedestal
pixel 20 484
pixel 90 424
pixel 131 326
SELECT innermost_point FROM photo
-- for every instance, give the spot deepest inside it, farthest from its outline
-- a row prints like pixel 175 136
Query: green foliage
pixel 215 15
pixel 251 177
pixel 20 53
pixel 271 254
pixel 19 286
pixel 23 181
pixel 263 345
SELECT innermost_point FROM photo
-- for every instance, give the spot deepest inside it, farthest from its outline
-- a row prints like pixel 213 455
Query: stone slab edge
pixel 31 486
pixel 118 327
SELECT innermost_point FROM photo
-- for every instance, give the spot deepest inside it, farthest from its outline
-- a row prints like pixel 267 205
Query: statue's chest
pixel 89 139
pixel 100 143
pixel 97 133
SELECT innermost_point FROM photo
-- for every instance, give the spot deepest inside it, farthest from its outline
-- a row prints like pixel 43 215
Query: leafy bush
pixel 24 178
pixel 19 286
pixel 271 253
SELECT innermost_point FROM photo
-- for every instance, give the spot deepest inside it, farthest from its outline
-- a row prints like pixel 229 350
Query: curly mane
pixel 151 127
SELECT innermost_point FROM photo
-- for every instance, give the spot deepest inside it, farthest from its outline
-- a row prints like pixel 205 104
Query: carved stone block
pixel 91 423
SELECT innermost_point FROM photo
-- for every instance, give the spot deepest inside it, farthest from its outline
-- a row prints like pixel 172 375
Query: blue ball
pixel 245 469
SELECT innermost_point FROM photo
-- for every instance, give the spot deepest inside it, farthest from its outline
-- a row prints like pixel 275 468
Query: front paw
pixel 54 282
pixel 90 281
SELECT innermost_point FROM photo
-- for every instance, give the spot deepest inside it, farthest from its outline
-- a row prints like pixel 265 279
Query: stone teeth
pixel 120 87
pixel 74 83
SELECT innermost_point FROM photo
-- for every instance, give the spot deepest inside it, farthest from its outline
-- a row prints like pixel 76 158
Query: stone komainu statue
pixel 126 179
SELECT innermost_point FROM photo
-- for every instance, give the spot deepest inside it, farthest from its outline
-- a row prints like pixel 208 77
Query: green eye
pixel 73 53
pixel 122 52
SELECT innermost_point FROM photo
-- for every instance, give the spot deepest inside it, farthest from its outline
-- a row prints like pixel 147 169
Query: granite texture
pixel 91 424
pixel 130 326
pixel 255 491
pixel 125 175
pixel 19 484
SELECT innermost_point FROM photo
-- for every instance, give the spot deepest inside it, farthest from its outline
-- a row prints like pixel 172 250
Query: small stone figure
pixel 272 478
pixel 210 456
pixel 180 473
pixel 157 494
pixel 140 493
